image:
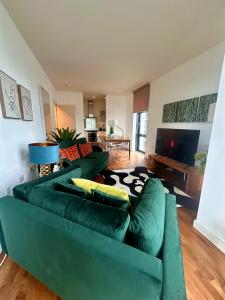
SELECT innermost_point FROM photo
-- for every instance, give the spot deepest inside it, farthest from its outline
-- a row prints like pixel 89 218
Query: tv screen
pixel 178 144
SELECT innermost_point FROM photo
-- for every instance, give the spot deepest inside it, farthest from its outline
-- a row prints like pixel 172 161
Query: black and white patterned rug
pixel 132 180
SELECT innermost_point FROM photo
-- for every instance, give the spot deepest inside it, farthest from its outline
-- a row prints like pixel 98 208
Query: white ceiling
pixel 101 46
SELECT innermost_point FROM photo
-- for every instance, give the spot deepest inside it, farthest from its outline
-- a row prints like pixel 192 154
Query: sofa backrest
pixel 146 228
pixel 110 221
pixel 74 261
pixel 21 191
pixel 64 178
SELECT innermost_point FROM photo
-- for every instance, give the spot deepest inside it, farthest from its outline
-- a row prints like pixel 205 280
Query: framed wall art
pixel 9 97
pixel 169 112
pixel 187 110
pixel 204 105
pixel 25 103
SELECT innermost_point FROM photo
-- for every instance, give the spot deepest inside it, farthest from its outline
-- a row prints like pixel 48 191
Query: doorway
pixel 45 112
pixel 141 131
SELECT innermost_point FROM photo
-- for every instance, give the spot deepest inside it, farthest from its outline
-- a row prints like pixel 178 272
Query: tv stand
pixel 186 178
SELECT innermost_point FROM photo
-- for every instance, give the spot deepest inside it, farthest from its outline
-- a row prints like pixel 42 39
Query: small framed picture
pixel 25 103
pixel 9 97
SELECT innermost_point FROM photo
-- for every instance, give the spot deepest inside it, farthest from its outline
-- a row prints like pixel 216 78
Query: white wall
pixel 17 60
pixel 73 98
pixel 199 76
pixel 120 108
pixel 211 214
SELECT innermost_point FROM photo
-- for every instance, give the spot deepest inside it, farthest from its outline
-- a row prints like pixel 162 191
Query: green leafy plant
pixel 111 131
pixel 63 134
pixel 202 158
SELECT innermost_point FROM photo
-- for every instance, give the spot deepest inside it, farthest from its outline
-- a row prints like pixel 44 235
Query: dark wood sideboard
pixel 186 178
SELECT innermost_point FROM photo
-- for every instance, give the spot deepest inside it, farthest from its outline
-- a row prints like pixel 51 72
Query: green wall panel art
pixel 203 107
pixel 187 110
pixel 169 112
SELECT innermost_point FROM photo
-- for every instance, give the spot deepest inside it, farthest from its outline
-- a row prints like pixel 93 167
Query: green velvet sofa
pixel 84 250
pixel 91 165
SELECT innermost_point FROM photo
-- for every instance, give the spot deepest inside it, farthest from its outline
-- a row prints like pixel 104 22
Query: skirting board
pixel 210 235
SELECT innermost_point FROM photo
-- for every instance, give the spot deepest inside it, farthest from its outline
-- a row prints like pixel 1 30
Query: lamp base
pixel 44 170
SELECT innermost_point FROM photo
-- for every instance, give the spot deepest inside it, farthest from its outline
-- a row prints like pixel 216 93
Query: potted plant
pixel 65 137
pixel 201 157
pixel 111 131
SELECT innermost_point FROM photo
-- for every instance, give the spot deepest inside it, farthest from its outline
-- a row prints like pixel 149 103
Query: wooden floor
pixel 204 264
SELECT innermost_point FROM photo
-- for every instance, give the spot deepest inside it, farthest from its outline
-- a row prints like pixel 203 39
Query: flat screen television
pixel 178 144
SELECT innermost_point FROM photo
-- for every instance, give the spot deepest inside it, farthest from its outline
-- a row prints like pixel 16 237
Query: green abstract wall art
pixel 203 107
pixel 187 110
pixel 190 110
pixel 169 112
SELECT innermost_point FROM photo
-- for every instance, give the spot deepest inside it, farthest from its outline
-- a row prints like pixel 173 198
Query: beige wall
pixel 120 108
pixel 66 116
pixel 74 99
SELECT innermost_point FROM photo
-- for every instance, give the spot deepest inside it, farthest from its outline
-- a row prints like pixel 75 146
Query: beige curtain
pixel 141 98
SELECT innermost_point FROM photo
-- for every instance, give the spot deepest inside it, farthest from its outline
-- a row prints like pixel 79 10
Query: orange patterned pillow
pixel 85 149
pixel 70 153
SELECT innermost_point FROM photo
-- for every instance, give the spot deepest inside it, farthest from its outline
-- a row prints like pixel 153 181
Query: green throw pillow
pixel 103 198
pixel 146 228
pixel 71 189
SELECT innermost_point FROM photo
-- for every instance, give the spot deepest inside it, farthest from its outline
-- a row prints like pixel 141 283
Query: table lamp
pixel 43 155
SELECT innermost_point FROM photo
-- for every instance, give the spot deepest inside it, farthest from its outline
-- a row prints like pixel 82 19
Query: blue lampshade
pixel 43 153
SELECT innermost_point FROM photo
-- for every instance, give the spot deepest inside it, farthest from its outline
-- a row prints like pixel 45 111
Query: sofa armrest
pixel 75 261
pixel 173 275
pixel 22 190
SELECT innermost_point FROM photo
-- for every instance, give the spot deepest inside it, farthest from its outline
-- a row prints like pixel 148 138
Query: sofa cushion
pixel 107 220
pixel 146 228
pixel 79 141
pixel 65 178
pixel 21 191
pixel 104 156
pixel 110 221
pixel 133 202
pixel 71 189
pixel 85 149
pixel 53 201
pixel 89 167
pixel 70 153
pixel 105 199
pixel 89 185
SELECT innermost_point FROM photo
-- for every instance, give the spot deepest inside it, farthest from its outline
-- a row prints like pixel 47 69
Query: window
pixel 141 131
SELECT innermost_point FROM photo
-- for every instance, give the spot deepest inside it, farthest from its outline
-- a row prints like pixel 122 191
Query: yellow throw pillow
pixel 89 185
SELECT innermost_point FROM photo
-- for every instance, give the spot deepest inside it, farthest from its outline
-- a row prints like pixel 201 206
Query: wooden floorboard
pixel 204 264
